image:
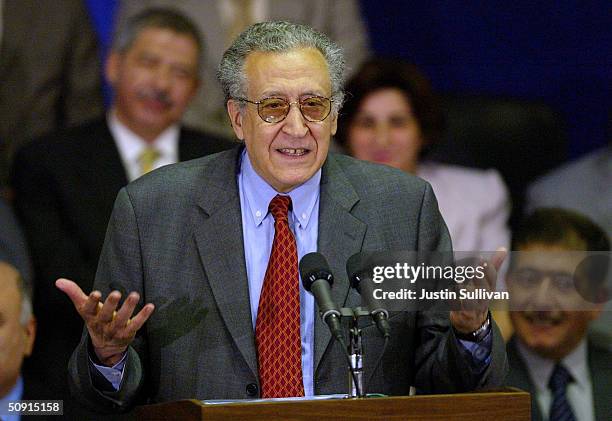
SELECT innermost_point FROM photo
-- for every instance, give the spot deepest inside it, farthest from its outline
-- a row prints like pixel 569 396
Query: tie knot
pixel 279 207
pixel 559 378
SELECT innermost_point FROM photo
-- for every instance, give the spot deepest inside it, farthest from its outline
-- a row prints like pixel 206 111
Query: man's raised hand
pixel 475 313
pixel 111 330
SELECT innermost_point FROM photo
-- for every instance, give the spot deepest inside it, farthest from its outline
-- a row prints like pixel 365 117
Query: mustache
pixel 156 95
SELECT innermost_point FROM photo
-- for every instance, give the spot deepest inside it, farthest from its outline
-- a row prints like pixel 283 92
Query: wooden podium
pixel 498 405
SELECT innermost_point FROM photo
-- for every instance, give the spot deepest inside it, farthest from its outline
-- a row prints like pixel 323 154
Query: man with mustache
pixel 551 355
pixel 65 186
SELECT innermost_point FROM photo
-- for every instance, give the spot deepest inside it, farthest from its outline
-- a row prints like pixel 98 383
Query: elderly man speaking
pixel 212 245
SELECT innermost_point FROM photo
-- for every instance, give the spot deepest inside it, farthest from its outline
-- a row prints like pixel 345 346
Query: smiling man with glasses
pixel 212 246
pixel 552 354
pixel 286 144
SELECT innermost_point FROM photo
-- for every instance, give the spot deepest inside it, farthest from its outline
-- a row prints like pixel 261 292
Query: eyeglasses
pixel 275 110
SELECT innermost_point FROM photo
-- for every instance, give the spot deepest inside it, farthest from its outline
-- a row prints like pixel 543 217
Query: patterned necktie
pixel 277 330
pixel 147 159
pixel 560 409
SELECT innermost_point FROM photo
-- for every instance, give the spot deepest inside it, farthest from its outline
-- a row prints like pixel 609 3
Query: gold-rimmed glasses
pixel 274 110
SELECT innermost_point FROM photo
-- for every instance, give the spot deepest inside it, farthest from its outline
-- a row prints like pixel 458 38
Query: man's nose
pixel 295 123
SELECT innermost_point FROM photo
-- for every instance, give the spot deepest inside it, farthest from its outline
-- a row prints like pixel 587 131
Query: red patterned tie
pixel 277 331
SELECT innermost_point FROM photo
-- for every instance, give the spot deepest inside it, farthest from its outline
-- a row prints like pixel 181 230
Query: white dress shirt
pixel 579 392
pixel 130 146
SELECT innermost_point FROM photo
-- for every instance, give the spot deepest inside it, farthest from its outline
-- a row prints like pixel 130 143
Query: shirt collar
pixel 131 145
pixel 259 193
pixel 540 369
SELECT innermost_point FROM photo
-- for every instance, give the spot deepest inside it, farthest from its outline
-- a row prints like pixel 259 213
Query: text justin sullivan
pixel 445 294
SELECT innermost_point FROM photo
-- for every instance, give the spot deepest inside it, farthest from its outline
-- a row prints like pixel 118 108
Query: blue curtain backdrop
pixel 559 52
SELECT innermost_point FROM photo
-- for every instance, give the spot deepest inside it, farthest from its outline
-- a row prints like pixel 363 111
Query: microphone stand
pixel 353 317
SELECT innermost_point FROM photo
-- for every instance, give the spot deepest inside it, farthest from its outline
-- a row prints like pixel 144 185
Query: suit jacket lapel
pixel 219 239
pixel 340 236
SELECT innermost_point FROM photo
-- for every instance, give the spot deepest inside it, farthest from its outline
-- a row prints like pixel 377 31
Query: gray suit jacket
pixel 176 237
pixel 601 376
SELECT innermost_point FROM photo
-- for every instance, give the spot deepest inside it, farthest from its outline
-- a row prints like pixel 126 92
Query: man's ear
pixel 236 118
pixel 30 333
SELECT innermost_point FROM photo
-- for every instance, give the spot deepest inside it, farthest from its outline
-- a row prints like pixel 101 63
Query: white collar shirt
pixel 131 146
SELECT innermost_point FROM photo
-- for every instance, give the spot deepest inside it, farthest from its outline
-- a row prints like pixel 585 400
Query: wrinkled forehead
pixel 299 70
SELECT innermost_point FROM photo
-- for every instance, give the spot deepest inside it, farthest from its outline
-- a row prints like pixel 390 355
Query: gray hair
pixel 161 18
pixel 278 37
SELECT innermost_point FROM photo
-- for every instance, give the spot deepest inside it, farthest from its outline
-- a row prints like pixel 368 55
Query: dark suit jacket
pixel 189 261
pixel 65 187
pixel 600 364
pixel 50 72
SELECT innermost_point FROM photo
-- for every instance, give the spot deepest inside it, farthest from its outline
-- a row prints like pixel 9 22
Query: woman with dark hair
pixel 392 117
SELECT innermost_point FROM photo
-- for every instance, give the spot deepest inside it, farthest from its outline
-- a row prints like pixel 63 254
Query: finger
pixel 72 290
pixel 126 310
pixel 498 258
pixel 90 308
pixel 139 319
pixel 490 279
pixel 105 315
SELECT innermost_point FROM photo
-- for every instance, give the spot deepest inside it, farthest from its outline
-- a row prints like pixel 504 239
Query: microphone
pixel 359 277
pixel 317 279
